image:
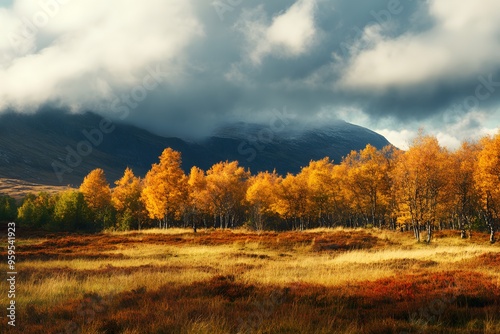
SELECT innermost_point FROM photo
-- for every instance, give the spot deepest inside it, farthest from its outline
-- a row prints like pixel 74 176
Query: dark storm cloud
pixel 431 99
pixel 223 61
pixel 211 96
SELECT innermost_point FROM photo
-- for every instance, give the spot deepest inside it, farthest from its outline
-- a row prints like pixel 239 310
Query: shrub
pixel 8 208
pixel 71 213
pixel 36 211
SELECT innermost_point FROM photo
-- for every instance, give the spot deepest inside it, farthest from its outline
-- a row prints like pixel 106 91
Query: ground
pixel 19 189
pixel 321 281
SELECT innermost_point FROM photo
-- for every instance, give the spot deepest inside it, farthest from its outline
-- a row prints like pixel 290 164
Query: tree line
pixel 422 189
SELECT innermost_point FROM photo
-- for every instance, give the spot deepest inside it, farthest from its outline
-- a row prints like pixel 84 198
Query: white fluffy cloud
pixel 399 138
pixel 462 42
pixel 450 132
pixel 289 34
pixel 79 52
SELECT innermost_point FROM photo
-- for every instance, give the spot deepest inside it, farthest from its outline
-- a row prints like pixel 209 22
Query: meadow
pixel 18 189
pixel 239 281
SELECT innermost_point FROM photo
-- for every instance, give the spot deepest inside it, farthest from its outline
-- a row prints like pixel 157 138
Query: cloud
pixel 9 24
pixel 400 139
pixel 462 42
pixel 418 67
pixel 288 35
pixel 80 52
pixel 450 131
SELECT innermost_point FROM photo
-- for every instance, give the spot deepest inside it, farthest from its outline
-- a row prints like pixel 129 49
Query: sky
pixel 185 67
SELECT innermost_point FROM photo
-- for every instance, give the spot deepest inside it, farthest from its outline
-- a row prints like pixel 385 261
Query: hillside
pixel 19 188
pixel 31 144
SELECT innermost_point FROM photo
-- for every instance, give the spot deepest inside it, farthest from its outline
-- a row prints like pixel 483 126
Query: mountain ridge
pixel 37 147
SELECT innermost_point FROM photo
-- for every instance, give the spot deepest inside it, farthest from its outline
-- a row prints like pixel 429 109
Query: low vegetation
pixel 237 281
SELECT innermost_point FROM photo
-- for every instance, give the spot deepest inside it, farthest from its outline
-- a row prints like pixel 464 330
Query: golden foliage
pixel 487 174
pixel 97 194
pixel 226 189
pixel 165 188
pixel 126 198
pixel 368 183
pixel 421 177
pixel 426 186
pixel 197 189
pixel 261 195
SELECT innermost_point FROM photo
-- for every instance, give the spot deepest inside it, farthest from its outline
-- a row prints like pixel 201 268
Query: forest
pixel 423 189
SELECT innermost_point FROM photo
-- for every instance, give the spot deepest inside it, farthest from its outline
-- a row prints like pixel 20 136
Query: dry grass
pixel 319 281
pixel 19 189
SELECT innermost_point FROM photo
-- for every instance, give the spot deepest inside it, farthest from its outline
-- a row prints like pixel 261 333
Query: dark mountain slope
pixel 31 145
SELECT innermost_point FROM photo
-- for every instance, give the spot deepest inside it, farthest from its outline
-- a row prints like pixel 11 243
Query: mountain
pixel 57 148
pixel 288 149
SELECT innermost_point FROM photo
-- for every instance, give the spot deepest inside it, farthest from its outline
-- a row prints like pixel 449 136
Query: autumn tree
pixel 487 178
pixel 339 202
pixel 369 184
pixel 465 197
pixel 198 202
pixel 390 155
pixel 126 199
pixel 97 193
pixel 318 178
pixel 261 195
pixel 226 189
pixel 420 174
pixel 165 189
pixel 292 197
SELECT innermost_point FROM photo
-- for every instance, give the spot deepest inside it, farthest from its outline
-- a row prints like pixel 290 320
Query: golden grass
pixel 19 188
pixel 178 260
pixel 170 231
pixel 444 255
pixel 256 263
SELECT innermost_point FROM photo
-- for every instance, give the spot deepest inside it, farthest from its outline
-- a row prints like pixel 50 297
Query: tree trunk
pixel 461 226
pixel 429 233
pixel 492 234
pixel 416 231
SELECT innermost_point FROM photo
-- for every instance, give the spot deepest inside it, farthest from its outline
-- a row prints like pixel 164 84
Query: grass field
pixel 320 281
pixel 19 189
